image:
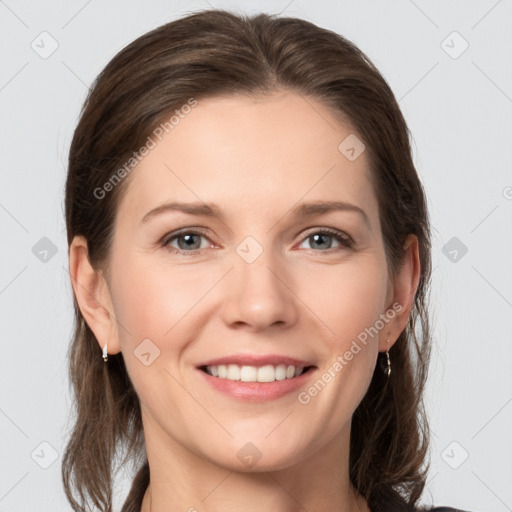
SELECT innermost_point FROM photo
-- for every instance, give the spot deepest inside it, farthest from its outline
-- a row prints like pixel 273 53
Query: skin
pixel 256 157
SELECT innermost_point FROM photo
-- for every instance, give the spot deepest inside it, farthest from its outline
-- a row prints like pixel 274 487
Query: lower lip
pixel 257 391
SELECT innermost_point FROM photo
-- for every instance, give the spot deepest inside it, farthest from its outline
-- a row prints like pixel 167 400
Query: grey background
pixel 459 111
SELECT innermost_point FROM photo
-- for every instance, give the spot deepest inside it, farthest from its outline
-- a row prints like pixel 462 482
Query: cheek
pixel 347 298
pixel 155 303
pixel 150 300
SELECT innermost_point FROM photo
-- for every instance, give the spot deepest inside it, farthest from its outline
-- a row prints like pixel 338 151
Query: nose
pixel 259 295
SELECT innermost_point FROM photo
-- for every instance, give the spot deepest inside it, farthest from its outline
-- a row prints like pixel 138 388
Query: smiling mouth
pixel 266 373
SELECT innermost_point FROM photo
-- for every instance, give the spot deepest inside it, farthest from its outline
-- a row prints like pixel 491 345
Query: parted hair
pixel 216 53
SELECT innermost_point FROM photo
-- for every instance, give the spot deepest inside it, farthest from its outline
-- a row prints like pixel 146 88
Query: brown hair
pixel 213 53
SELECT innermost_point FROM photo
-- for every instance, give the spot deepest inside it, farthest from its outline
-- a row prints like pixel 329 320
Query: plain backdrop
pixel 449 65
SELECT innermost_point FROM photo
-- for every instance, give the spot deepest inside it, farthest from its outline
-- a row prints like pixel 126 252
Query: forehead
pixel 250 153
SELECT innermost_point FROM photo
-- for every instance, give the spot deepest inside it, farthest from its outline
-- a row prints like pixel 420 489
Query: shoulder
pixel 439 508
pixel 390 500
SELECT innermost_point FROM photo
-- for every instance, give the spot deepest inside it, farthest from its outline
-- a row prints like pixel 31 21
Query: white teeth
pixel 267 373
pixel 233 372
pixel 247 373
pixel 281 372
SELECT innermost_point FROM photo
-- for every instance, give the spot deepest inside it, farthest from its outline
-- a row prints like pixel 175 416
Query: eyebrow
pixel 303 210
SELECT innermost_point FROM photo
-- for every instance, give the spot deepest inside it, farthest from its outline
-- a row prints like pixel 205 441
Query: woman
pixel 250 256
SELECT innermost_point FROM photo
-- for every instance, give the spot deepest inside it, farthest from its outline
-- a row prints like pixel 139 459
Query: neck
pixel 183 480
pixel 270 494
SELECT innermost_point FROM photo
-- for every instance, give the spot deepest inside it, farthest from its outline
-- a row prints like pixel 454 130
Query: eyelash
pixel 344 239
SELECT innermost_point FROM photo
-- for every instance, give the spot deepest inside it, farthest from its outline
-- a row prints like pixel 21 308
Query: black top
pixel 447 509
pixel 390 501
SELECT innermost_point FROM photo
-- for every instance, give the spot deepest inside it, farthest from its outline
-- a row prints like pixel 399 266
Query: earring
pixel 389 362
pixel 105 353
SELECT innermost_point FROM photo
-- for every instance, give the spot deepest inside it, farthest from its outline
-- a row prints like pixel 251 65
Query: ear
pixel 93 296
pixel 403 292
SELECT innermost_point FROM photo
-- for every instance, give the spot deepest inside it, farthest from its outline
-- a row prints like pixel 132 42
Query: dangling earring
pixel 105 353
pixel 389 362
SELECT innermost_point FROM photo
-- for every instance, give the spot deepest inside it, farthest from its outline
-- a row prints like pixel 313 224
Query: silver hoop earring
pixel 105 353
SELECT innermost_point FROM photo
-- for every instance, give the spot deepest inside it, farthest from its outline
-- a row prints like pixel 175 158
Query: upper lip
pixel 256 360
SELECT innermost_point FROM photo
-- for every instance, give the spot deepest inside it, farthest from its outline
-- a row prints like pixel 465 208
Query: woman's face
pixel 253 274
